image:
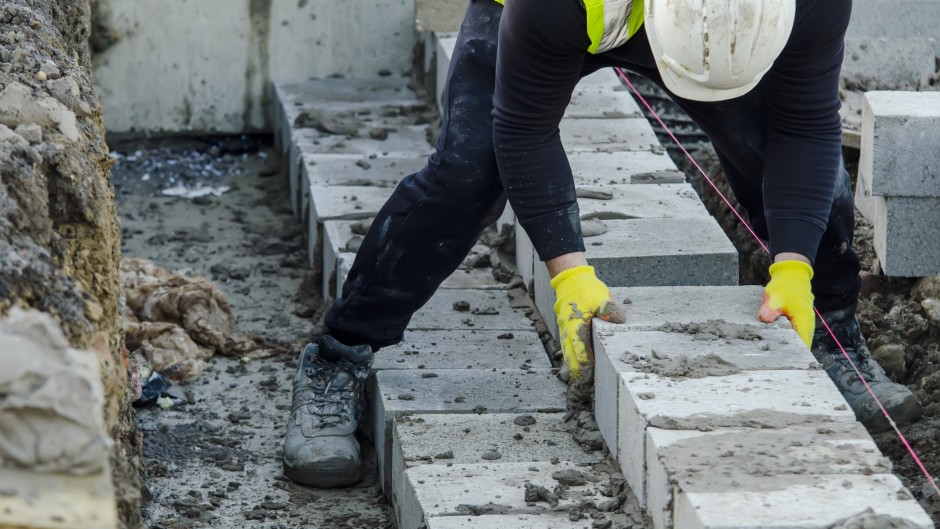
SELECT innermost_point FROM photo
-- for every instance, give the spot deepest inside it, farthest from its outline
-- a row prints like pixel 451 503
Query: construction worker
pixel 760 77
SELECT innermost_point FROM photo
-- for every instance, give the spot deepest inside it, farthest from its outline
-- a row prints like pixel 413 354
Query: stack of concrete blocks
pixel 898 187
pixel 895 19
pixel 467 414
pixel 731 423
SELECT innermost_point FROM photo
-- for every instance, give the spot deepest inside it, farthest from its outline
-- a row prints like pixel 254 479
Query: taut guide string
pixel 858 373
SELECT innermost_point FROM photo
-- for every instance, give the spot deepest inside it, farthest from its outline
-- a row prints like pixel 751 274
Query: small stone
pixel 491 455
pixel 569 477
pixel 445 455
pixel 406 396
pixel 462 306
pixel 50 69
pixel 30 132
pixel 524 420
pixel 505 336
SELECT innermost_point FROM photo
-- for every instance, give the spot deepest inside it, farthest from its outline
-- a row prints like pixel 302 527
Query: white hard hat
pixel 712 50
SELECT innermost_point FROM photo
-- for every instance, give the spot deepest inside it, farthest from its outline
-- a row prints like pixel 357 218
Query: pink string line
pixel 858 373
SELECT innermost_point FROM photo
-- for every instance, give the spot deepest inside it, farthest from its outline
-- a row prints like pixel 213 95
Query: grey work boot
pixel 321 449
pixel 896 398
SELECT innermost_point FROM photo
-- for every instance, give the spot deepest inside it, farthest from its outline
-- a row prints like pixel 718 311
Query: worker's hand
pixel 580 296
pixel 789 294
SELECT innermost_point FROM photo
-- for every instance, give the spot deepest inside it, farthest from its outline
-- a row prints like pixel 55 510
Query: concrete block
pixel 434 491
pixel 624 167
pixel 601 104
pixel 607 135
pixel 337 238
pixel 343 266
pixel 403 142
pixel 900 134
pixel 781 502
pixel 461 439
pixel 346 202
pixel 754 399
pixel 763 349
pixel 603 79
pixel 731 459
pixel 663 252
pixel 446 42
pixel 639 202
pixel 489 311
pixel 907 17
pixel 451 350
pixel 525 255
pixel 400 392
pixel 905 231
pixel 651 307
pixel 544 297
pixel 888 61
pixel 547 520
pixel 478 278
pixel 331 170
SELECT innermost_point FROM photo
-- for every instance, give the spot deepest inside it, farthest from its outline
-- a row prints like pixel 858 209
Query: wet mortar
pixel 216 462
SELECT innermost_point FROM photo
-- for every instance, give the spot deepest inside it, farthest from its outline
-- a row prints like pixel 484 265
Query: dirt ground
pixel 216 461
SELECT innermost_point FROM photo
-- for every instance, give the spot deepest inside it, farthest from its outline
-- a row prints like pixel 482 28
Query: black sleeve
pixel 541 49
pixel 803 155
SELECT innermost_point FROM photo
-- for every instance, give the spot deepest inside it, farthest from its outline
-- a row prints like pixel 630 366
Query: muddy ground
pixel 216 461
pixel 899 332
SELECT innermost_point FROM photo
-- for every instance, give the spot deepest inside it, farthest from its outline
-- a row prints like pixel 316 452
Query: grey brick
pixel 638 202
pixel 469 349
pixel 624 167
pixel 905 233
pixel 601 104
pixel 607 135
pixel 896 18
pixel 894 61
pixel 900 134
pixel 439 313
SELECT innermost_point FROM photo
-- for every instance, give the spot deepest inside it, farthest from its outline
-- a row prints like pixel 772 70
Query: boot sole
pixel 325 478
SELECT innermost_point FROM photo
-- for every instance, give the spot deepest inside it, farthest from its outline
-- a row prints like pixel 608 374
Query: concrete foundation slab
pixel 755 399
pixel 899 155
pixel 607 135
pixel 489 311
pixel 763 349
pixel 549 520
pixel 625 167
pixel 434 491
pixel 400 392
pixel 772 505
pixel 733 459
pixel 905 231
pixel 651 307
pixel 464 350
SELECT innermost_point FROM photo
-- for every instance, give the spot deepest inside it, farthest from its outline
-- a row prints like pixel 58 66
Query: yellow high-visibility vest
pixel 610 23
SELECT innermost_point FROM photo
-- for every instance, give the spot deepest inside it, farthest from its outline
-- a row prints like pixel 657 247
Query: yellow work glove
pixel 580 297
pixel 789 294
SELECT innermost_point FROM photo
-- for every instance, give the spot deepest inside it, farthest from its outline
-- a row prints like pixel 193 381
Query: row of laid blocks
pixel 729 423
pixel 898 186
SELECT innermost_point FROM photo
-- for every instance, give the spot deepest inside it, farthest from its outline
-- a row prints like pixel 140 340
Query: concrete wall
pixel 206 65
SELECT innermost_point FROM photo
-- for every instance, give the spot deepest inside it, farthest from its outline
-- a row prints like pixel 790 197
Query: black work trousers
pixel 434 217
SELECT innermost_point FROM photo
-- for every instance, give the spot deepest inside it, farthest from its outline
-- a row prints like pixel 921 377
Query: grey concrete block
pixel 331 170
pixel 732 459
pixel 468 349
pixel 337 236
pixel 629 201
pixel 601 104
pixel 749 399
pixel 782 502
pixel 663 252
pixel 544 297
pixel 346 202
pixel 438 491
pixel 603 79
pixel 882 61
pixel 607 135
pixel 651 307
pixel 404 142
pixel 766 348
pixel 896 19
pixel 525 255
pixel 461 439
pixel 905 230
pixel 900 134
pixel 489 311
pixel 547 520
pixel 624 167
pixel 399 392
